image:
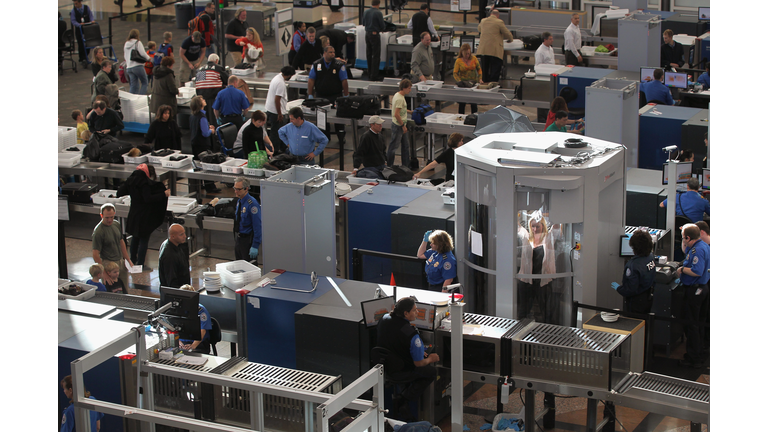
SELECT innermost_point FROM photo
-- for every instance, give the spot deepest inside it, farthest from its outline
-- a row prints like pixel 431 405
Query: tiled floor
pixel 74 93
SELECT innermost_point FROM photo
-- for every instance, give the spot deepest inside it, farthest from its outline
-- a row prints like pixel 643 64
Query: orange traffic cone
pixel 392 279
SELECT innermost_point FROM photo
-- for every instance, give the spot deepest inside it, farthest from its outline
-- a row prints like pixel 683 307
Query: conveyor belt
pixel 283 377
pixel 659 233
pixel 122 301
pixel 667 395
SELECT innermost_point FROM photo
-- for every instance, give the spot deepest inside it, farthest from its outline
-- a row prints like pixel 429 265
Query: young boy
pixel 82 126
pixel 96 271
pixel 150 64
pixel 112 278
pixel 166 49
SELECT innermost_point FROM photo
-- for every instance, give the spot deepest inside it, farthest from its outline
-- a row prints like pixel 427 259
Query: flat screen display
pixel 373 310
pixel 646 74
pixel 705 178
pixel 703 13
pixel 676 79
pixel 625 251
pixel 684 172
pixel 425 316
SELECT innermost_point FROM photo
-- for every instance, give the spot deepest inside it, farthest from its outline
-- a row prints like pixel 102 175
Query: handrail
pixel 149 15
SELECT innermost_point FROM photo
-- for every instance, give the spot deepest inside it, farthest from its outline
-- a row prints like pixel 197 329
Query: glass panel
pixel 543 250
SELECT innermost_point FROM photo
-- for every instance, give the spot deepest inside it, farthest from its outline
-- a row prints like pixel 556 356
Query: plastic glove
pixel 253 253
pixel 486 426
pixel 218 121
pixel 677 281
pixel 310 97
pixel 426 236
pixel 465 428
pixel 615 285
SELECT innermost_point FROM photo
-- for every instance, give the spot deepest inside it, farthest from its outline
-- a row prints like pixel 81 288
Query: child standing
pixel 150 64
pixel 82 126
pixel 96 271
pixel 112 278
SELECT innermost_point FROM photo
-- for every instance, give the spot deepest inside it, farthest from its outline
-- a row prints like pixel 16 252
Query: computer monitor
pixel 703 13
pixel 373 310
pixel 425 316
pixel 705 178
pixel 684 172
pixel 625 250
pixel 676 79
pixel 646 74
pixel 183 314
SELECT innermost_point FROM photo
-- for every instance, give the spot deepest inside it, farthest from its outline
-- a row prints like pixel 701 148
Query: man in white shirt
pixel 276 104
pixel 545 54
pixel 573 42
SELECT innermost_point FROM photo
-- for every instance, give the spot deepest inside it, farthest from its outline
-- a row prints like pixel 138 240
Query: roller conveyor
pixel 648 391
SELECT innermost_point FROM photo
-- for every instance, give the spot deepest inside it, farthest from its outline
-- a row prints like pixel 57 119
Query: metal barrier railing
pixel 358 263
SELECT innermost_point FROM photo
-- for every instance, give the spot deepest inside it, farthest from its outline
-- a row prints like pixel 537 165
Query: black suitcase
pixel 114 151
pixel 357 106
pixel 80 192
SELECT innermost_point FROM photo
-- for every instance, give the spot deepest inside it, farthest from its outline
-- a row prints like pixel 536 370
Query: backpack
pixel 194 24
pixel 397 173
pixel 161 52
pixel 121 73
pixel 421 112
pixel 531 42
pixel 149 64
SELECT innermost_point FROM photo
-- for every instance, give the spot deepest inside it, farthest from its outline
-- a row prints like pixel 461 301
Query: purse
pixel 135 56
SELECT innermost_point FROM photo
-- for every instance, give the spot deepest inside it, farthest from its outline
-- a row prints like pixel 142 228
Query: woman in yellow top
pixel 467 68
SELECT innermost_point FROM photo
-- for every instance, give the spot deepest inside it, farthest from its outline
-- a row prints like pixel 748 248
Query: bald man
pixel 174 258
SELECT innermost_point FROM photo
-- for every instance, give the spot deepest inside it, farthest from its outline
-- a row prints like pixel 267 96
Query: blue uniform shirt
pixel 249 211
pixel 205 323
pixel 301 140
pixel 691 205
pixel 342 71
pixel 704 79
pixel 68 419
pixel 656 90
pixel 417 348
pixel 230 101
pixel 439 267
pixel 697 259
pixel 639 276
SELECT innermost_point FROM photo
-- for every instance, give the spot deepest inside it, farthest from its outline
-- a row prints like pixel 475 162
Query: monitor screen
pixel 425 316
pixel 705 178
pixel 184 313
pixel 676 79
pixel 373 310
pixel 684 170
pixel 625 250
pixel 646 74
pixel 703 13
pixel 467 39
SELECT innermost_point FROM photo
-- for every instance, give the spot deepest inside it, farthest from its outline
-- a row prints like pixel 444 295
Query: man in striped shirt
pixel 209 80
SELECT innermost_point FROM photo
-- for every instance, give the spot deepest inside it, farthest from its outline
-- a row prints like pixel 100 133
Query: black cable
pixel 615 417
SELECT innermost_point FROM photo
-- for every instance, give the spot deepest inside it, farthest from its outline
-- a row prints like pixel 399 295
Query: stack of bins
pixel 237 274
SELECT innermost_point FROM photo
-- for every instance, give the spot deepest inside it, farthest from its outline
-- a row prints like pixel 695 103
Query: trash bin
pixel 184 13
pixel 200 6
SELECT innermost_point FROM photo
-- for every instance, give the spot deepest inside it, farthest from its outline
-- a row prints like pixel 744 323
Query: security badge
pixel 695 260
pixel 254 210
pixel 447 265
pixel 203 317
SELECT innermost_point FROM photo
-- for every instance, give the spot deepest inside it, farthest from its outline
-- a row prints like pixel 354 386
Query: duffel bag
pixel 113 152
pixel 358 106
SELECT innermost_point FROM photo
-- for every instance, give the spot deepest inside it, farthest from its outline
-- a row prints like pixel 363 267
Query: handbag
pixel 135 56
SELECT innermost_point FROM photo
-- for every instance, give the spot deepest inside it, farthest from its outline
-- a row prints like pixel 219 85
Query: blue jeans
pixel 398 136
pixel 138 78
pixel 139 246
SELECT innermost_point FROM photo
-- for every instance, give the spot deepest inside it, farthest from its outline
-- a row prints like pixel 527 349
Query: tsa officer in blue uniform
pixel 441 263
pixel 690 204
pixel 247 222
pixel 639 275
pixel 200 346
pixel 68 419
pixel 328 79
pixel 694 276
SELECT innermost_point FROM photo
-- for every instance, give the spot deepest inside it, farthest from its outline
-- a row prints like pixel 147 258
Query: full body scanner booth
pixel 539 216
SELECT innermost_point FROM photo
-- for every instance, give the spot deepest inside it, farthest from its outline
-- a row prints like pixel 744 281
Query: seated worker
pixel 690 204
pixel 396 334
pixel 103 119
pixel 199 346
pixel 639 275
pixel 441 264
pixel 96 271
pixel 301 136
pixel 447 157
pixel 173 267
pixel 370 152
pixel 656 90
pixel 704 78
pixel 672 54
pixel 561 118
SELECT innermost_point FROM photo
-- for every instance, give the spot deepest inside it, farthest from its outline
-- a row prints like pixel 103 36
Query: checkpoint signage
pixel 283 31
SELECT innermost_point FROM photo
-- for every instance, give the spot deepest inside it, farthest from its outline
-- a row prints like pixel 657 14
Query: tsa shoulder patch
pixel 695 260
pixel 63 419
pixel 254 210
pixel 629 272
pixel 203 317
pixel 447 265
pixel 417 343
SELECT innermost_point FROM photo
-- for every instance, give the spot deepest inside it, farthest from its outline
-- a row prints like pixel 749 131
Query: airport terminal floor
pixel 479 407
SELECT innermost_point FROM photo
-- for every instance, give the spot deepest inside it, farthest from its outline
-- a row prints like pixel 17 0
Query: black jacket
pixel 148 204
pixel 164 135
pixel 395 334
pixel 173 268
pixel 672 55
pixel 338 39
pixel 307 54
pixel 371 150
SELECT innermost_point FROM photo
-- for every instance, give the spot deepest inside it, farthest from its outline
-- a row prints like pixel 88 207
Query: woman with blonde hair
pixel 467 68
pixel 441 263
pixel 253 50
pixel 537 256
pixel 134 69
